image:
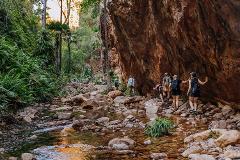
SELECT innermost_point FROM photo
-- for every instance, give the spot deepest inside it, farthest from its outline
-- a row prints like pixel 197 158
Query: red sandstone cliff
pixel 179 36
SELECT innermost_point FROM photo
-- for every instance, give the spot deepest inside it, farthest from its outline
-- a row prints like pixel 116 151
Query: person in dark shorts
pixel 159 89
pixel 116 83
pixel 176 90
pixel 194 90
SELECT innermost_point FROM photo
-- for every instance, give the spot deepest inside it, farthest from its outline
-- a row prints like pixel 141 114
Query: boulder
pixel 114 94
pixel 79 124
pixel 228 137
pixel 102 120
pixel 200 157
pixel 223 136
pixel 120 146
pixel 28 114
pixel 121 143
pixel 33 137
pixel 130 118
pixel 64 115
pixel 158 156
pixel 12 158
pixel 232 152
pixel 152 107
pixel 89 104
pixel 76 100
pixel 192 150
pixel 222 124
pixel 28 156
pixel 226 110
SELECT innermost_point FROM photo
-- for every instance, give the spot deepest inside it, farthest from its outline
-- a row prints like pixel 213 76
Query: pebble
pixel 148 142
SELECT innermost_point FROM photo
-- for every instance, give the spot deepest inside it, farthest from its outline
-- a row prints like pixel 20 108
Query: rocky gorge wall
pixel 151 37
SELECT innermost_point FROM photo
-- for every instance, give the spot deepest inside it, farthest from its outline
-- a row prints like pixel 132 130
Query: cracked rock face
pixel 151 37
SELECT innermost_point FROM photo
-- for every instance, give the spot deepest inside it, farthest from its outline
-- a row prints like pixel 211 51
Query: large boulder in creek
pixel 222 137
pixel 121 143
pixel 231 152
pixel 201 157
pixel 151 37
pixel 28 156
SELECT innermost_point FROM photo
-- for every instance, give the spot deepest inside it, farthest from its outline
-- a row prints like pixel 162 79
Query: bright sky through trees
pixel 54 12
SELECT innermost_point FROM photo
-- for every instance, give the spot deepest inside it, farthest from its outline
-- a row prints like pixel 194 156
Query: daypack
pixel 166 80
pixel 195 85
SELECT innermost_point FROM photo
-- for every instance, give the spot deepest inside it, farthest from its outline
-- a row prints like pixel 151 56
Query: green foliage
pixel 86 4
pixel 19 23
pixel 45 48
pixel 57 26
pixel 85 44
pixel 25 57
pixel 159 127
pixel 22 79
pixel 123 87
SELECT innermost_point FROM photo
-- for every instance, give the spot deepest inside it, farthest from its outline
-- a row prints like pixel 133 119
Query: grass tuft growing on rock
pixel 159 127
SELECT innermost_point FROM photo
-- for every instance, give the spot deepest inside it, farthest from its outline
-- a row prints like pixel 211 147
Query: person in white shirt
pixel 131 85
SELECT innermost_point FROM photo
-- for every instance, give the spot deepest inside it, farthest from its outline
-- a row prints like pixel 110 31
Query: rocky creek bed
pixel 87 124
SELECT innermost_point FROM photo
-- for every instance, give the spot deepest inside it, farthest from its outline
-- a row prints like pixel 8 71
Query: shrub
pixel 159 127
pixel 22 78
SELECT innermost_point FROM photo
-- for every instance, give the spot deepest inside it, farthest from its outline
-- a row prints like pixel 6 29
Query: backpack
pixel 166 80
pixel 195 85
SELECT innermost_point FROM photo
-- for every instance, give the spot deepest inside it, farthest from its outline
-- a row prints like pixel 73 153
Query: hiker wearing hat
pixel 194 90
pixel 166 85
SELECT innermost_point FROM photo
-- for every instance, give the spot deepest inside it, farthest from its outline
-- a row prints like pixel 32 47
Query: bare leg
pixel 174 102
pixel 161 96
pixel 168 91
pixel 195 103
pixel 191 103
pixel 130 90
pixel 177 101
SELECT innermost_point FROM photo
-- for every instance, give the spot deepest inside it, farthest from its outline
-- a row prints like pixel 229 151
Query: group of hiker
pixel 171 85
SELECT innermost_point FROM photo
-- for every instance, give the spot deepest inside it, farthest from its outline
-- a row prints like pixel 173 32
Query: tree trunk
pixel 57 58
pixel 61 10
pixel 60 38
pixel 69 52
pixel 106 66
pixel 44 13
pixel 68 11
